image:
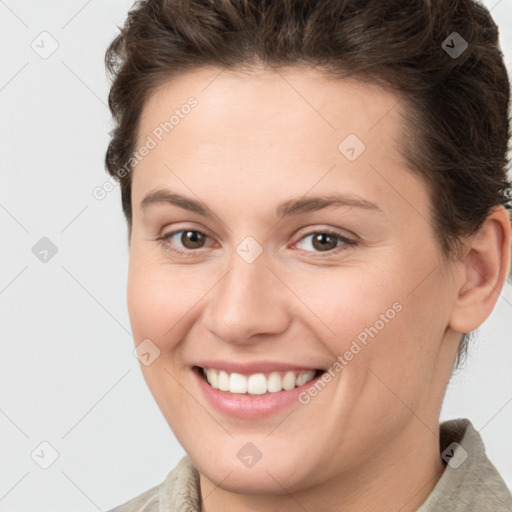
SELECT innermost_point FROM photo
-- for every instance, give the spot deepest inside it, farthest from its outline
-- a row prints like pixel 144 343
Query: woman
pixel 316 201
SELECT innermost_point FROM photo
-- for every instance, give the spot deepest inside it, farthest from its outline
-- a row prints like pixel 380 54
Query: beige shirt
pixel 470 481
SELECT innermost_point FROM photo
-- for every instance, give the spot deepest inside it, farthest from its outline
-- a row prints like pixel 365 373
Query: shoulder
pixel 470 480
pixel 178 492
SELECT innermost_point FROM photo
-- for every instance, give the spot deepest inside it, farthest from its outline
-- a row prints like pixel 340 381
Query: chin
pixel 270 477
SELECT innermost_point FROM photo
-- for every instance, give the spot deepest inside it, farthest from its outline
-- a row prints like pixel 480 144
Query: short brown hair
pixel 456 105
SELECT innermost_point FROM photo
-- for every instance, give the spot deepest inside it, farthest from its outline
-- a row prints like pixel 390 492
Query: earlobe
pixel 485 267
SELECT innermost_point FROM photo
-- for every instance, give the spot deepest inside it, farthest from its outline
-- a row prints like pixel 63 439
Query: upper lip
pixel 252 367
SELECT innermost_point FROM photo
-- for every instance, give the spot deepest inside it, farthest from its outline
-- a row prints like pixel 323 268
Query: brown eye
pixel 192 239
pixel 183 241
pixel 325 242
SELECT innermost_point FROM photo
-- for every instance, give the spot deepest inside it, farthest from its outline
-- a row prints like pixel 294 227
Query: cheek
pixel 158 298
pixel 347 304
pixel 399 357
pixel 381 320
pixel 158 304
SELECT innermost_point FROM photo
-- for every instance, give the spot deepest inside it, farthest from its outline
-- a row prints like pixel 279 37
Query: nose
pixel 249 301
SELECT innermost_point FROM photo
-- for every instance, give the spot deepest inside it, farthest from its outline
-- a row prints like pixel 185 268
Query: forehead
pixel 269 99
pixel 288 126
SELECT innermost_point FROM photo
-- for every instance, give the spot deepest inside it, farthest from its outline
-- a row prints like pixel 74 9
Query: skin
pixel 369 440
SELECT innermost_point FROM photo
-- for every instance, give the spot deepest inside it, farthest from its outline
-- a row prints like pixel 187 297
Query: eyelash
pixel 347 242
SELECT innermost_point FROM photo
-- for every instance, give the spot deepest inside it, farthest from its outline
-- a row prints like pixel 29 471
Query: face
pixel 279 237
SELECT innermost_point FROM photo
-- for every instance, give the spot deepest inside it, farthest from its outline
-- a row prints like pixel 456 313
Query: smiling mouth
pixel 256 383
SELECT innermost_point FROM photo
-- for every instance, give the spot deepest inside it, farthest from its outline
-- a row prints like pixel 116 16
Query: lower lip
pixel 250 406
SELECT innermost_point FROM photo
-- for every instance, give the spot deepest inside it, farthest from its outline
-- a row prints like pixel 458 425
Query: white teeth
pixel 237 383
pixel 223 381
pixel 302 379
pixel 257 383
pixel 274 383
pixel 289 381
pixel 213 377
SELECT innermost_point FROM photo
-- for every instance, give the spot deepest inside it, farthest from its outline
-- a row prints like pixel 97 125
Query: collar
pixel 470 481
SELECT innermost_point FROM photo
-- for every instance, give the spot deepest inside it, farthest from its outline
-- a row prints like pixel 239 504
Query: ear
pixel 484 269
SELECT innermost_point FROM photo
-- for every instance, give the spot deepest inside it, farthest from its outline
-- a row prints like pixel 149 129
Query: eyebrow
pixel 285 209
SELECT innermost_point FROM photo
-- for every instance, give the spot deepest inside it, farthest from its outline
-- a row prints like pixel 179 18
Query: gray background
pixel 68 375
